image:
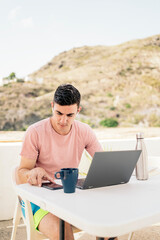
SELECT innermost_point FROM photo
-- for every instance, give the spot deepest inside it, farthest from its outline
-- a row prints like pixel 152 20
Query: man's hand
pixel 36 175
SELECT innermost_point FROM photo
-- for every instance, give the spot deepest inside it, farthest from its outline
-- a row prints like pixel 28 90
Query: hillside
pixel 120 82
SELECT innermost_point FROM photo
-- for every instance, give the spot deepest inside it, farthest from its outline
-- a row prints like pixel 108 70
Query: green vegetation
pixel 24 128
pixel 112 108
pixel 109 95
pixel 120 82
pixel 129 69
pixel 20 80
pixel 128 105
pixel 122 73
pixel 88 121
pixel 109 122
pixel 12 76
pixel 6 85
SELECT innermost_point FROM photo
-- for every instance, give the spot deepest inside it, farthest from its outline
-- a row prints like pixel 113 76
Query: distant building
pixel 39 80
pixel 6 80
pixel 28 79
pixel 1 82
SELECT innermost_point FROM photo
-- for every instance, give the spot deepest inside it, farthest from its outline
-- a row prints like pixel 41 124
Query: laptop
pixel 110 168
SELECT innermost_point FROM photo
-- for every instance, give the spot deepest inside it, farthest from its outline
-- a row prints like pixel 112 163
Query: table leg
pixel 61 230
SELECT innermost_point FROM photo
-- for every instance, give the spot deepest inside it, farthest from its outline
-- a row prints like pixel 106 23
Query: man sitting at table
pixel 51 144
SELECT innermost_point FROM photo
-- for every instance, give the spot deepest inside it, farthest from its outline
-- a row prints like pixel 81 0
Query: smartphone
pixel 52 186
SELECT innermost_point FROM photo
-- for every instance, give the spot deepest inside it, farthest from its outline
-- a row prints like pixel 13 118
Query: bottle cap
pixel 140 135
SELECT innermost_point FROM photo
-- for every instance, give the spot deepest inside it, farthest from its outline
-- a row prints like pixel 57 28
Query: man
pixel 51 144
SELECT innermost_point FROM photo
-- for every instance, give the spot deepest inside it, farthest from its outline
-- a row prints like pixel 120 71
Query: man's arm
pixel 92 143
pixel 27 173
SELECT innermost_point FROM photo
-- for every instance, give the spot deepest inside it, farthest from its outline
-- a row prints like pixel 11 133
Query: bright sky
pixel 32 32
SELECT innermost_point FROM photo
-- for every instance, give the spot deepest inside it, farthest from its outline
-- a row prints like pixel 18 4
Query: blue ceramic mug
pixel 69 177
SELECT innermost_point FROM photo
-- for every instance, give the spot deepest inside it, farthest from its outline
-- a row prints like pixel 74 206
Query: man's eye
pixel 59 113
pixel 70 115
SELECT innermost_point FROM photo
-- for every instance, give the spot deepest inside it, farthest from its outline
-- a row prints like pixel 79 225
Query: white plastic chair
pixel 130 237
pixel 32 233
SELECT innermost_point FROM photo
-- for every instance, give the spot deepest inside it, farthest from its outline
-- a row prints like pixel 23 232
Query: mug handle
pixel 56 175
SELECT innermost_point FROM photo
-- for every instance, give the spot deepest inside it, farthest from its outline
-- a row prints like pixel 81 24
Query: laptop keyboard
pixel 80 182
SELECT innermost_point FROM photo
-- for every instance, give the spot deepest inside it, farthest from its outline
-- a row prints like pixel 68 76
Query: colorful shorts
pixel 38 213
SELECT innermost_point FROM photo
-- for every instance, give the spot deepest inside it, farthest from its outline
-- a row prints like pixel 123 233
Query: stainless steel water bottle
pixel 142 164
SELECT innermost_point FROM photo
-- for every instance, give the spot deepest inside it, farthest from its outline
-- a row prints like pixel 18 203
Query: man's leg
pixel 49 226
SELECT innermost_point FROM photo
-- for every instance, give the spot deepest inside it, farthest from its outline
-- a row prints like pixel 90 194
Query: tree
pixel 12 76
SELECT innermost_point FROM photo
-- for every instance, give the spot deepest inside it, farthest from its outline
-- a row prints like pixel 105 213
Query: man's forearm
pixel 33 176
pixel 21 175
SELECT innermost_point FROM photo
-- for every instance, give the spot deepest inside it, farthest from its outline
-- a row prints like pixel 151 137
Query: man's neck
pixel 57 130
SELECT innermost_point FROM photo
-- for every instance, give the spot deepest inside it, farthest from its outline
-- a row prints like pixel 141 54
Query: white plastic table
pixel 108 211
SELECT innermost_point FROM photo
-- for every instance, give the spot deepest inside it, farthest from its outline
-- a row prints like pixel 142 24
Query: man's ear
pixel 52 104
pixel 79 109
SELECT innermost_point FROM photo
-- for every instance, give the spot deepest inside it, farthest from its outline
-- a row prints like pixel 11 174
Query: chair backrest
pixel 14 169
pixel 32 233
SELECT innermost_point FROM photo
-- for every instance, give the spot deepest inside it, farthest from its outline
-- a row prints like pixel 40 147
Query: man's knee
pixel 49 226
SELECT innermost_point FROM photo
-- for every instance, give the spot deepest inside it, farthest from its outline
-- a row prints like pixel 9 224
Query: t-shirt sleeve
pixel 30 144
pixel 92 144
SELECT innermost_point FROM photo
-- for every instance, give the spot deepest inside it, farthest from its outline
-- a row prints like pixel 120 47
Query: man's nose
pixel 63 119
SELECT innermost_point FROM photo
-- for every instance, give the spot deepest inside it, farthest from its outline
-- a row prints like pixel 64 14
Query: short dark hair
pixel 67 94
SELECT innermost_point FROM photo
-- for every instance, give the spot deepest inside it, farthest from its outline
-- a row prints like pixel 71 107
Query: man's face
pixel 63 117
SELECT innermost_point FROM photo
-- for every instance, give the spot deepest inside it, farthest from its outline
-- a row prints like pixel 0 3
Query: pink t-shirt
pixel 53 151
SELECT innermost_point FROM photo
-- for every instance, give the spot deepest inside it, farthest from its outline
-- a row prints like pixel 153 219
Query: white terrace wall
pixel 152 145
pixel 9 156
